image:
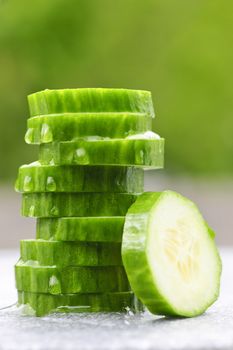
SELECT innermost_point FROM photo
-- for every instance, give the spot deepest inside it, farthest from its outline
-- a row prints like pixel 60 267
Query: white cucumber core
pixel 182 256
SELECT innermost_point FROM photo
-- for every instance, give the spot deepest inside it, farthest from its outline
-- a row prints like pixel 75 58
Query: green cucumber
pixel 48 178
pixel 170 255
pixel 71 126
pixel 63 254
pixel 31 277
pixel 136 152
pixel 76 204
pixel 43 304
pixel 90 100
pixel 89 229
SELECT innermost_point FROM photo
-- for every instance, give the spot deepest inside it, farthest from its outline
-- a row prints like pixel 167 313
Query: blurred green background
pixel 180 50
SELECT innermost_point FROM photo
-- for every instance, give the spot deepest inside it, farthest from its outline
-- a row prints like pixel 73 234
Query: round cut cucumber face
pixel 88 229
pixel 72 126
pixel 49 205
pixel 147 153
pixel 63 254
pixel 170 256
pixel 42 304
pixel 48 178
pixel 90 100
pixel 30 277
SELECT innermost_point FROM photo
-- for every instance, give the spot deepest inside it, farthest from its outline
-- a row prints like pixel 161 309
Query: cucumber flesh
pixel 89 229
pixel 90 100
pixel 63 254
pixel 76 204
pixel 71 126
pixel 48 178
pixel 30 277
pixel 131 152
pixel 170 256
pixel 43 304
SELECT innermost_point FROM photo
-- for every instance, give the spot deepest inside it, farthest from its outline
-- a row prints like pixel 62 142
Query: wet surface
pixel 213 330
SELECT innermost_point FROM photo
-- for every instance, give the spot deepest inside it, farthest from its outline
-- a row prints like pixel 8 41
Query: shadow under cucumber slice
pixel 43 304
pixel 128 152
pixel 76 204
pixel 89 229
pixel 54 280
pixel 63 254
pixel 48 178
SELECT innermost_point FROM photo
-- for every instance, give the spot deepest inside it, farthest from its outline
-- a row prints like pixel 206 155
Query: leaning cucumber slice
pixel 76 204
pixel 71 126
pixel 43 304
pixel 31 277
pixel 130 152
pixel 90 100
pixel 48 178
pixel 170 256
pixel 63 254
pixel 89 229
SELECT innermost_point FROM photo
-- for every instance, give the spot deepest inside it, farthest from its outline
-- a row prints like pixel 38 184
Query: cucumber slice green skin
pixel 43 304
pixel 64 254
pixel 76 204
pixel 144 153
pixel 90 100
pixel 71 126
pixel 136 260
pixel 88 229
pixel 48 178
pixel 55 280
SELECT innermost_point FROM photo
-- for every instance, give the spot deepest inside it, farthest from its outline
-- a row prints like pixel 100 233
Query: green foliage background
pixel 181 50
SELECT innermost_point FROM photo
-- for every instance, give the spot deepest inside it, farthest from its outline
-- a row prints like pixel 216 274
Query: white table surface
pixel 213 330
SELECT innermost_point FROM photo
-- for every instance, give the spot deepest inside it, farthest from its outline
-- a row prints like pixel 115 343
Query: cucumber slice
pixel 89 229
pixel 146 153
pixel 71 126
pixel 43 304
pixel 54 280
pixel 48 178
pixel 90 100
pixel 170 257
pixel 76 204
pixel 63 254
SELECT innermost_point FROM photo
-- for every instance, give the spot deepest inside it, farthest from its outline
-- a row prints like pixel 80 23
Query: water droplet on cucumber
pixel 26 310
pixel 119 183
pixel 27 184
pixel 54 285
pixel 81 156
pixel 51 184
pixel 46 134
pixel 29 137
pixel 54 211
pixel 140 157
pixel 31 212
pixel 148 135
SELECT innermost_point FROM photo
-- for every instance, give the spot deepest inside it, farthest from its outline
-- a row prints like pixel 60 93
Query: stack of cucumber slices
pixel 102 245
pixel 94 144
